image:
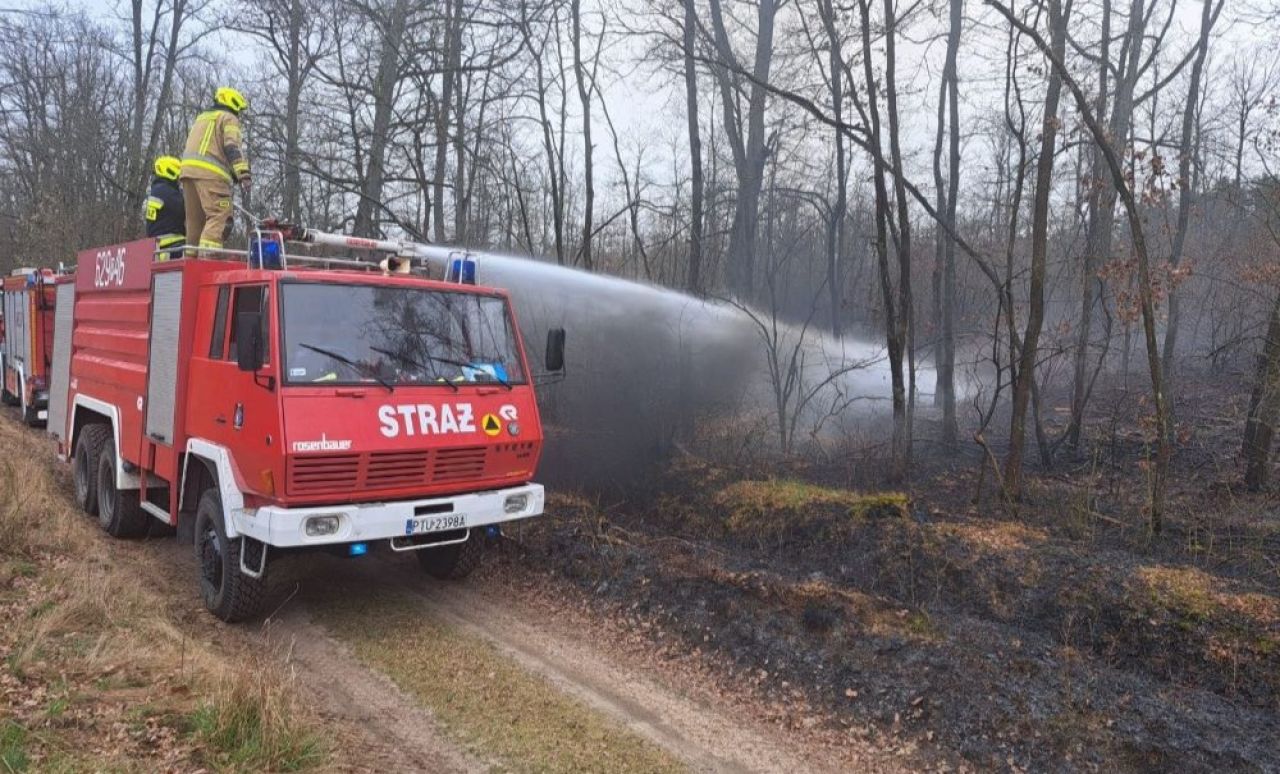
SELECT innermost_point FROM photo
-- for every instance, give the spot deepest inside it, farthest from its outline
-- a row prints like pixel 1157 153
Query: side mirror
pixel 555 349
pixel 249 340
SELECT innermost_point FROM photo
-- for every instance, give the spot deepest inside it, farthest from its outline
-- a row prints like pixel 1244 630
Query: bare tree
pixel 1186 180
pixel 945 258
pixel 746 134
pixel 694 277
pixel 1146 295
pixel 1024 375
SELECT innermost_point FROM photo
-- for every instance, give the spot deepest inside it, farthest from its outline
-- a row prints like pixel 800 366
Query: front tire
pixel 228 593
pixel 453 562
pixel 119 513
pixel 88 448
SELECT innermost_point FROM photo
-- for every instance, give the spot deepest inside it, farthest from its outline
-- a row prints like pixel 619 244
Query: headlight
pixel 515 503
pixel 319 526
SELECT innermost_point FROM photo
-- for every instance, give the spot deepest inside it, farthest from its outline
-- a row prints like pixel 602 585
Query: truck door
pixel 241 407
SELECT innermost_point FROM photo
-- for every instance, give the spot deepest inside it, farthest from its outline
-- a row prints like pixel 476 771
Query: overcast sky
pixel 648 105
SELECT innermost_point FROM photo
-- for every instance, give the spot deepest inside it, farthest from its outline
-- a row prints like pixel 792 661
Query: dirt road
pixel 679 711
pixel 577 656
pixel 605 675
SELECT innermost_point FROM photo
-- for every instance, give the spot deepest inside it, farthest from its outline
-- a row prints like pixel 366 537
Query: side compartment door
pixel 162 360
pixel 60 371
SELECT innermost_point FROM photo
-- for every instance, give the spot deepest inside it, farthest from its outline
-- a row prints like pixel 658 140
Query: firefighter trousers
pixel 209 220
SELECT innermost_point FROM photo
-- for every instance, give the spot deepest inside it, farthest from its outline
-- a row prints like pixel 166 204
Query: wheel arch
pixel 85 411
pixel 208 463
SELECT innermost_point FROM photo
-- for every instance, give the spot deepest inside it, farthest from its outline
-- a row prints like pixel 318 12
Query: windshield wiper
pixel 446 361
pixel 406 359
pixel 348 361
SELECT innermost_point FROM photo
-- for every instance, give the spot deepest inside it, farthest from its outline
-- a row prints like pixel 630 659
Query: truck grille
pixel 341 473
pixel 389 469
pixel 324 473
pixel 458 464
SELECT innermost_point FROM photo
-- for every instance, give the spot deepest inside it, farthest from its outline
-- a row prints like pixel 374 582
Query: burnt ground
pixel 1060 635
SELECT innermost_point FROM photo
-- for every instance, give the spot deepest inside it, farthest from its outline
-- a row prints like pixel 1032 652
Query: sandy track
pixel 708 737
pixel 405 735
pixel 699 734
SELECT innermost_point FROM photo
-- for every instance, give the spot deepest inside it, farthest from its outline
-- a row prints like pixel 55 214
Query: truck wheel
pixel 119 513
pixel 228 593
pixel 453 562
pixel 30 416
pixel 8 398
pixel 88 448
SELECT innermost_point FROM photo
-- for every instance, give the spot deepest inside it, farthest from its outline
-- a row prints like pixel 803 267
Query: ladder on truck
pixel 268 238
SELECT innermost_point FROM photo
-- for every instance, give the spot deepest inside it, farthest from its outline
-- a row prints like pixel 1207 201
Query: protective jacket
pixel 213 150
pixel 165 213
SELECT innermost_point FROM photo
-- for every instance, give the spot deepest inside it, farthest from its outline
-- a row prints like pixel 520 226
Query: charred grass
pixel 96 673
pixel 483 699
pixel 1060 635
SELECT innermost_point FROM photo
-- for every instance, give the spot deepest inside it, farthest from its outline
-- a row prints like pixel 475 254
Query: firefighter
pixel 212 160
pixel 165 210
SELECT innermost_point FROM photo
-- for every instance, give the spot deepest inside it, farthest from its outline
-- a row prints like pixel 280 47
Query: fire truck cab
pixel 26 341
pixel 264 411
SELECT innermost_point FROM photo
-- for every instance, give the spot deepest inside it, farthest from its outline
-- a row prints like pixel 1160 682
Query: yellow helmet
pixel 229 97
pixel 168 167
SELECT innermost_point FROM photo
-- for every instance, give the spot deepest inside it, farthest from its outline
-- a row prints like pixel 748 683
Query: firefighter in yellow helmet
pixel 212 160
pixel 165 211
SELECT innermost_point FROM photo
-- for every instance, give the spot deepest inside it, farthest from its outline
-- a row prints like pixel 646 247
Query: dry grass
pixel 252 720
pixel 96 673
pixel 483 699
pixel 781 510
pixel 1194 598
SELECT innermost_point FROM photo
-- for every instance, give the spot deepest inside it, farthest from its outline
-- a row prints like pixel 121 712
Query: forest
pixel 1025 200
pixel 922 381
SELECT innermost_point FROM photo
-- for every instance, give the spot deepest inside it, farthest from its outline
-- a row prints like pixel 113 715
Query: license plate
pixel 447 521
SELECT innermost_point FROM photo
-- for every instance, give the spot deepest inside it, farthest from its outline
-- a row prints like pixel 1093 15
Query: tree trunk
pixel 548 134
pixel 384 91
pixel 945 268
pixel 694 283
pixel 906 305
pixel 1025 376
pixel 292 191
pixel 835 222
pixel 1102 199
pixel 749 149
pixel 452 59
pixel 1186 188
pixel 1264 408
pixel 584 96
pixel 895 340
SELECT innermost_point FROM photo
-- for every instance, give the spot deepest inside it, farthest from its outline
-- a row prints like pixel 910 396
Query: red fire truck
pixel 26 341
pixel 260 411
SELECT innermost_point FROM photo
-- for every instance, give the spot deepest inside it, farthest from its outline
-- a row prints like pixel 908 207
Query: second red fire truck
pixel 26 340
pixel 260 408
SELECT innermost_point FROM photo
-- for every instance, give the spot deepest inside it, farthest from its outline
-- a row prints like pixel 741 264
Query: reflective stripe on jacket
pixel 213 150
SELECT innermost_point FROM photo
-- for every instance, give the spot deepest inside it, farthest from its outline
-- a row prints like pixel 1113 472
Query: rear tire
pixel 453 562
pixel 228 593
pixel 119 513
pixel 88 448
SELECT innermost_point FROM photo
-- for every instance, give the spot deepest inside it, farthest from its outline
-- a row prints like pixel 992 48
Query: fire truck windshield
pixel 395 335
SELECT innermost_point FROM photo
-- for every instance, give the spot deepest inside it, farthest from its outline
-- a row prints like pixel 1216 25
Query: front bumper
pixel 367 522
